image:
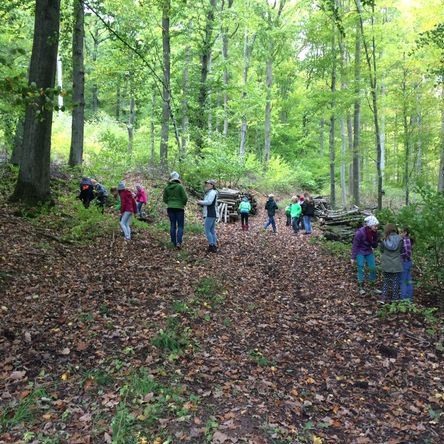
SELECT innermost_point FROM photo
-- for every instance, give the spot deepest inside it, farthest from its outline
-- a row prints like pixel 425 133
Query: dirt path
pixel 265 342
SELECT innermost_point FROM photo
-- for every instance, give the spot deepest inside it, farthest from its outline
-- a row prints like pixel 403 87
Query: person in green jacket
pixel 295 213
pixel 288 215
pixel 244 210
pixel 175 197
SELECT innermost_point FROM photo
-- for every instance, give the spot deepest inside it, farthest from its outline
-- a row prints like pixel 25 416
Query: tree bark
pixel 185 93
pixel 321 137
pixel 441 163
pixel 95 54
pixel 357 119
pixel 78 86
pixel 164 133
pixel 33 180
pixel 59 82
pixel 268 85
pixel 204 68
pixel 118 99
pixel 332 122
pixel 152 129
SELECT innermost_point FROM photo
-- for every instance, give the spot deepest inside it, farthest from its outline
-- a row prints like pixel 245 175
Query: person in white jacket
pixel 209 204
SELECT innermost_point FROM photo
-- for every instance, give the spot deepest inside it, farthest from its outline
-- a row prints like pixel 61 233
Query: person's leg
pixel 213 232
pixel 268 223
pixel 371 263
pixel 173 222
pixel 360 263
pixel 273 224
pixel 207 228
pixel 243 220
pixel 406 281
pixel 139 208
pixel 129 220
pixel 397 286
pixel 124 223
pixel 180 218
pixel 385 287
pixel 307 224
pixel 246 222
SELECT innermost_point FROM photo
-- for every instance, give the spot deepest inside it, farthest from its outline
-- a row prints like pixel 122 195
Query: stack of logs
pixel 338 225
pixel 228 204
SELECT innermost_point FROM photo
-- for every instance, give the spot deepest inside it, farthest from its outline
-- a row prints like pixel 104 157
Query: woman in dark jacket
pixel 308 211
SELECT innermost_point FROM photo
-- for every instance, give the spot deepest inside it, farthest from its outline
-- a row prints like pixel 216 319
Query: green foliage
pixel 209 292
pixel 425 219
pixel 22 413
pixel 173 339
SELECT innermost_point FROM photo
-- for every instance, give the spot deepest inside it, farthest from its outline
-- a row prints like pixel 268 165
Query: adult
pixel 271 207
pixel 366 238
pixel 86 191
pixel 175 197
pixel 209 204
pixel 308 212
pixel 127 209
pixel 101 194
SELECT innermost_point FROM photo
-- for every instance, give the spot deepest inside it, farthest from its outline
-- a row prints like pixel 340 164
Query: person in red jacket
pixel 141 199
pixel 127 209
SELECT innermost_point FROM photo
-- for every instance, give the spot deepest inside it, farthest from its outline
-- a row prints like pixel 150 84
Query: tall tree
pixel 357 117
pixel 441 163
pixel 166 114
pixel 78 85
pixel 33 180
pixel 226 74
pixel 332 150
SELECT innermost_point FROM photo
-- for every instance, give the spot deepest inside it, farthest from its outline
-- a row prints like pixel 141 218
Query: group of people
pixel 396 260
pixel 299 213
pixel 91 190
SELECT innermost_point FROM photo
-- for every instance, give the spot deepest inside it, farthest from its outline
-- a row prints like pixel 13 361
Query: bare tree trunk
pixel 332 122
pixel 95 54
pixel 371 62
pixel 205 61
pixel 185 92
pixel 441 163
pixel 226 77
pixel 78 85
pixel 152 129
pixel 131 123
pixel 350 151
pixel 419 144
pixel 268 84
pixel 118 99
pixel 164 134
pixel 248 48
pixel 59 82
pixel 343 158
pixel 357 119
pixel 33 180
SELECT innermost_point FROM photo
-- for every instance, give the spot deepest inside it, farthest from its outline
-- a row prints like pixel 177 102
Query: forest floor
pixel 265 342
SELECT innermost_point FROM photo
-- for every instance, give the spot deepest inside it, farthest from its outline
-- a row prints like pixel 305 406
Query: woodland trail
pixel 277 347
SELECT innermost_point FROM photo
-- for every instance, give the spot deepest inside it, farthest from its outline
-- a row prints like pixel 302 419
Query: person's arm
pixel 407 249
pixel 183 195
pixel 165 196
pixel 208 200
pixel 355 245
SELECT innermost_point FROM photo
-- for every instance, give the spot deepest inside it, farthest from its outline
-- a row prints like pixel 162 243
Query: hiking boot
pixel 361 290
pixel 212 249
pixel 179 246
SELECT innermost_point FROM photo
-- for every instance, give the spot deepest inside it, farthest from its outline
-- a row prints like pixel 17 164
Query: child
pixel 244 209
pixel 271 207
pixel 141 199
pixel 366 238
pixel 406 278
pixel 295 212
pixel 86 191
pixel 210 214
pixel 391 263
pixel 116 197
pixel 101 194
pixel 288 215
pixel 127 209
pixel 301 217
pixel 308 211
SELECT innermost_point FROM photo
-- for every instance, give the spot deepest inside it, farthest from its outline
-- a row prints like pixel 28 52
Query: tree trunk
pixel 152 129
pixel 59 82
pixel 441 163
pixel 371 63
pixel 226 77
pixel 343 158
pixel 118 100
pixel 185 93
pixel 78 86
pixel 321 137
pixel 268 84
pixel 164 133
pixel 131 123
pixel 33 180
pixel 204 68
pixel 332 122
pixel 248 48
pixel 95 54
pixel 357 118
pixel 350 151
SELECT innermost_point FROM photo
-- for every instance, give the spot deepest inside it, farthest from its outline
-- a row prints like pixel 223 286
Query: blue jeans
pixel 177 222
pixel 361 260
pixel 406 281
pixel 307 224
pixel 271 222
pixel 139 207
pixel 210 230
pixel 125 224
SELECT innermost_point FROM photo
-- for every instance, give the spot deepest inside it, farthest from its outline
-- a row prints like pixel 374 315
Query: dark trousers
pixel 295 224
pixel 101 202
pixel 391 287
pixel 177 222
pixel 288 223
pixel 244 219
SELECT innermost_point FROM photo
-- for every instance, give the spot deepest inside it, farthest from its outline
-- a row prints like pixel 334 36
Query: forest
pixel 145 340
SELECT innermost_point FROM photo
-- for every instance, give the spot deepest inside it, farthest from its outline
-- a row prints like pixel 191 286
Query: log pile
pixel 338 225
pixel 228 204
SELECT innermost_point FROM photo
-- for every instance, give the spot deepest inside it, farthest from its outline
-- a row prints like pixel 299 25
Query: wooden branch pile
pixel 338 225
pixel 228 204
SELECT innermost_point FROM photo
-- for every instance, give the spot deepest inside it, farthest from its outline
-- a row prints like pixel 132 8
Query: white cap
pixel 174 175
pixel 370 221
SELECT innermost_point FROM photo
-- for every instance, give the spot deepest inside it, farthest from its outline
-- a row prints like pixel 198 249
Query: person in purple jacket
pixel 366 238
